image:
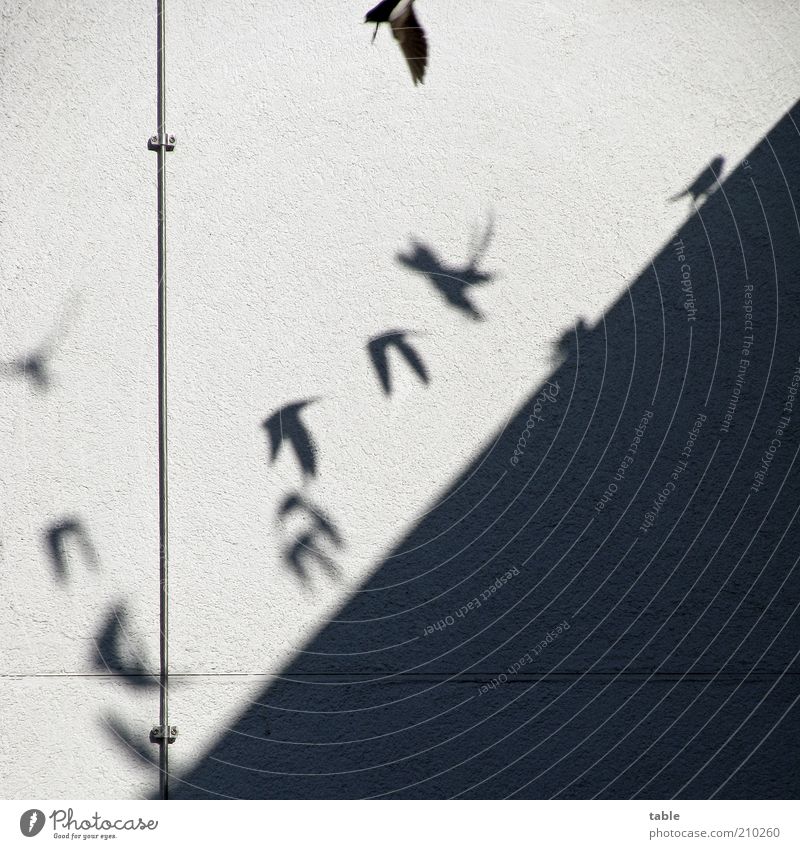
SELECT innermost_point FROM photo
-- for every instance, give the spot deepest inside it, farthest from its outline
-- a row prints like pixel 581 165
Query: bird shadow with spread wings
pixel 285 425
pixel 378 350
pixel 307 544
pixel 452 282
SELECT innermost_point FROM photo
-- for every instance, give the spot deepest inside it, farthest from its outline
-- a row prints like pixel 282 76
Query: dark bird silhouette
pixel 112 656
pixel 57 539
pixel 705 182
pixel 399 14
pixel 452 282
pixel 378 349
pixel 306 546
pixel 286 425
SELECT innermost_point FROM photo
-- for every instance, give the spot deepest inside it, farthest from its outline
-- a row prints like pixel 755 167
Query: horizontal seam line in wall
pixel 450 676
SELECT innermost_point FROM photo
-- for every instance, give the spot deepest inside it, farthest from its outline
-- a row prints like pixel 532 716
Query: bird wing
pixel 484 243
pixel 304 447
pixel 456 296
pixel 406 29
pixel 286 426
pixel 110 652
pixel 296 554
pixel 413 359
pixel 274 428
pixel 377 353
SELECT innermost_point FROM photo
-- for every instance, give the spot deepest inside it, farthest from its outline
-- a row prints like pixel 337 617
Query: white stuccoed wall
pixel 306 160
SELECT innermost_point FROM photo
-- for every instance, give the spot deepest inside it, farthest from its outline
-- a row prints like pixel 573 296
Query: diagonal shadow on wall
pixel 632 641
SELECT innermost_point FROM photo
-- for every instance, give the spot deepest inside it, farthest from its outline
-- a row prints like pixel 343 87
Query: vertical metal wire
pixel 163 500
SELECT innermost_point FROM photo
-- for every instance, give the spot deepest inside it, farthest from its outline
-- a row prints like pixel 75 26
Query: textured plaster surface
pixel 306 161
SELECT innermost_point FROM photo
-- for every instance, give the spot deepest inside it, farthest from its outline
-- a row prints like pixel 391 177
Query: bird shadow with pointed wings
pixel 453 282
pixel 285 425
pixel 378 349
pixel 705 183
pixel 307 545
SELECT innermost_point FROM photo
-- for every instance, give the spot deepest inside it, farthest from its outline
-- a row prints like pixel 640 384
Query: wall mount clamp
pixel 163 732
pixel 160 140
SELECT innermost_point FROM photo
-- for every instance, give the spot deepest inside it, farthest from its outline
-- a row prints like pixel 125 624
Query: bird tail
pixel 483 244
pixel 678 196
pixel 375 34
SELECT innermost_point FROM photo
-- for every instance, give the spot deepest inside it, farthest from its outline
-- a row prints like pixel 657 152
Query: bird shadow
pixel 285 425
pixel 35 366
pixel 308 546
pixel 568 344
pixel 452 282
pixel 60 537
pixel 705 183
pixel 378 349
pixel 112 656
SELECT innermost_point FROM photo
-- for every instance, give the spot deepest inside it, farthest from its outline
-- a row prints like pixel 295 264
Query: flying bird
pixel 399 14
pixel 286 426
pixel 705 182
pixel 378 349
pixel 451 282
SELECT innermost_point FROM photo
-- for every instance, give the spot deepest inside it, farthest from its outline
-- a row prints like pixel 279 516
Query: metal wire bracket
pixel 161 140
pixel 163 732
